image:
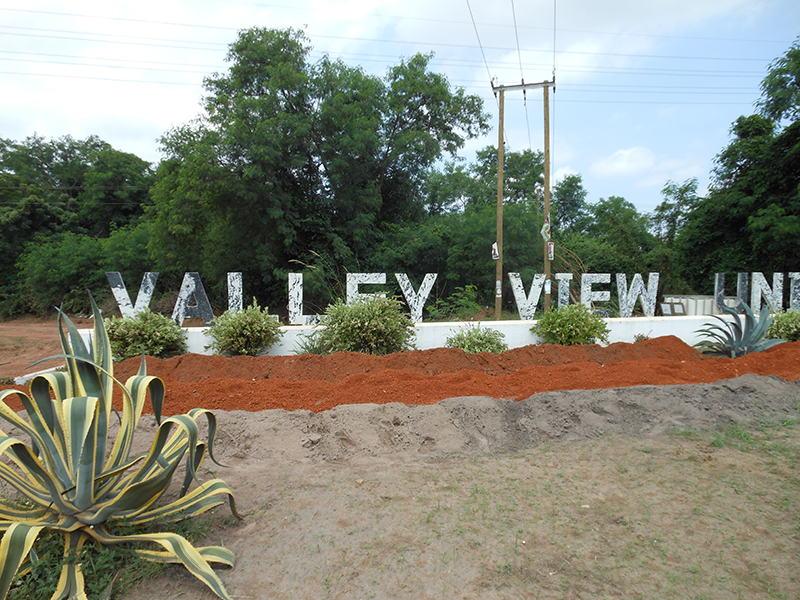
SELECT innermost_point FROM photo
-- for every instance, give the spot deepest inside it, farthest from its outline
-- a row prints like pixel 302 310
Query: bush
pixel 571 324
pixel 145 333
pixel 374 325
pixel 57 271
pixel 474 339
pixel 785 326
pixel 461 304
pixel 246 332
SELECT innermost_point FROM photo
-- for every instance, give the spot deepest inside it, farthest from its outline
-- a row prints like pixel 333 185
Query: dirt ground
pixel 540 473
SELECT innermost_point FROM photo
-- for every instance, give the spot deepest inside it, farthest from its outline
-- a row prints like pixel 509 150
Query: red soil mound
pixel 319 383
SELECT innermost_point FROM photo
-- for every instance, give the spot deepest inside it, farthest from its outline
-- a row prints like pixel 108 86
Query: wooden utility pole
pixel 501 157
pixel 547 280
pixel 500 89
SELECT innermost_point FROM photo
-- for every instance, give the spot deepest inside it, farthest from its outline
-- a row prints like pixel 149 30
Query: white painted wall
pixel 517 333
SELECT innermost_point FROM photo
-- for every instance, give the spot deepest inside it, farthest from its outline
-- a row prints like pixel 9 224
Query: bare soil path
pixel 634 471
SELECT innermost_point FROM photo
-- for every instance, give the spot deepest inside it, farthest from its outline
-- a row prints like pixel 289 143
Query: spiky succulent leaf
pixel 14 548
pixel 178 550
pixel 73 483
pixel 733 338
pixel 70 582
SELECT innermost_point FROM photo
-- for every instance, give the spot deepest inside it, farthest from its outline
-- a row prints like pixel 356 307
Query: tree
pixel 617 222
pixel 613 237
pixel 459 187
pixel 116 188
pixel 297 161
pixel 569 203
pixel 751 218
pixel 780 89
pixel 53 187
pixel 670 216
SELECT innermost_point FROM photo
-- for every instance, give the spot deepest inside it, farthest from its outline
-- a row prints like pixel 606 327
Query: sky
pixel 646 91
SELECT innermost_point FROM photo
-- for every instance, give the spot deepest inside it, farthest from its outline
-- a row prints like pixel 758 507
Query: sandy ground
pixel 668 491
pixel 606 493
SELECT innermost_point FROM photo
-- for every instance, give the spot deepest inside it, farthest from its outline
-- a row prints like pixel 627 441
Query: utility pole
pixel 501 157
pixel 501 89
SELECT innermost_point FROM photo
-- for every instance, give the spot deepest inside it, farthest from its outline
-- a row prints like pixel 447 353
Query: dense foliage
pixel 473 339
pixel 570 325
pixel 323 168
pixel 372 325
pixel 65 206
pixel 750 220
pixel 244 333
pixel 785 326
pixel 145 333
pixel 299 160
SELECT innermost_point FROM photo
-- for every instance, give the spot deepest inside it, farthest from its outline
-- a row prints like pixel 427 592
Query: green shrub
pixel 462 303
pixel 374 325
pixel 147 333
pixel 57 271
pixel 246 332
pixel 474 339
pixel 571 324
pixel 785 326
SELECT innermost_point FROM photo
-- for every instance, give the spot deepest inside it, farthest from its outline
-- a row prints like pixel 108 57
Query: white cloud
pixel 563 172
pixel 630 161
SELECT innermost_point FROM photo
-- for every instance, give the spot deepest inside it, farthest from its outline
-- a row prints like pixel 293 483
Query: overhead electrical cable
pixel 401 17
pixel 478 37
pixel 113 38
pixel 553 105
pixel 522 77
pixel 485 62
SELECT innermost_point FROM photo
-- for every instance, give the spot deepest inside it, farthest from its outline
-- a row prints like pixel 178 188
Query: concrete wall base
pixel 517 333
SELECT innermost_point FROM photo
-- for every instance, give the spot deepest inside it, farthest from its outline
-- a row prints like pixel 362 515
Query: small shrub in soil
pixel 785 326
pixel 145 333
pixel 571 324
pixel 246 332
pixel 476 339
pixel 461 304
pixel 374 325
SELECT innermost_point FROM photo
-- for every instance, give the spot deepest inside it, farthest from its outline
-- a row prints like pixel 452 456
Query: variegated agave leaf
pixel 73 482
pixel 732 338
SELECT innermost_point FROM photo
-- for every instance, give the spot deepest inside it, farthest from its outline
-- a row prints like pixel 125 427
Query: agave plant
pixel 71 479
pixel 732 338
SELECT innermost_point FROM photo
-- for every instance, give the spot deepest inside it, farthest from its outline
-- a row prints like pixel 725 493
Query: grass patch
pixel 106 569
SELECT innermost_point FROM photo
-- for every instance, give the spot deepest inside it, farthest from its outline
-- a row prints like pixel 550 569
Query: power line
pixel 62 76
pixel 478 37
pixel 485 62
pixel 522 76
pixel 399 17
pixel 109 59
pixel 146 41
pixel 362 57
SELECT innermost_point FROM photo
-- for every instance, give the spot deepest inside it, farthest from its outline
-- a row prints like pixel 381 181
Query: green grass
pixel 105 568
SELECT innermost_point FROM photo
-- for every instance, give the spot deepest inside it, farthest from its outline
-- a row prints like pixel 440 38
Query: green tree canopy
pixel 780 89
pixel 569 204
pixel 750 220
pixel 54 187
pixel 298 160
pixel 670 216
pixel 459 186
